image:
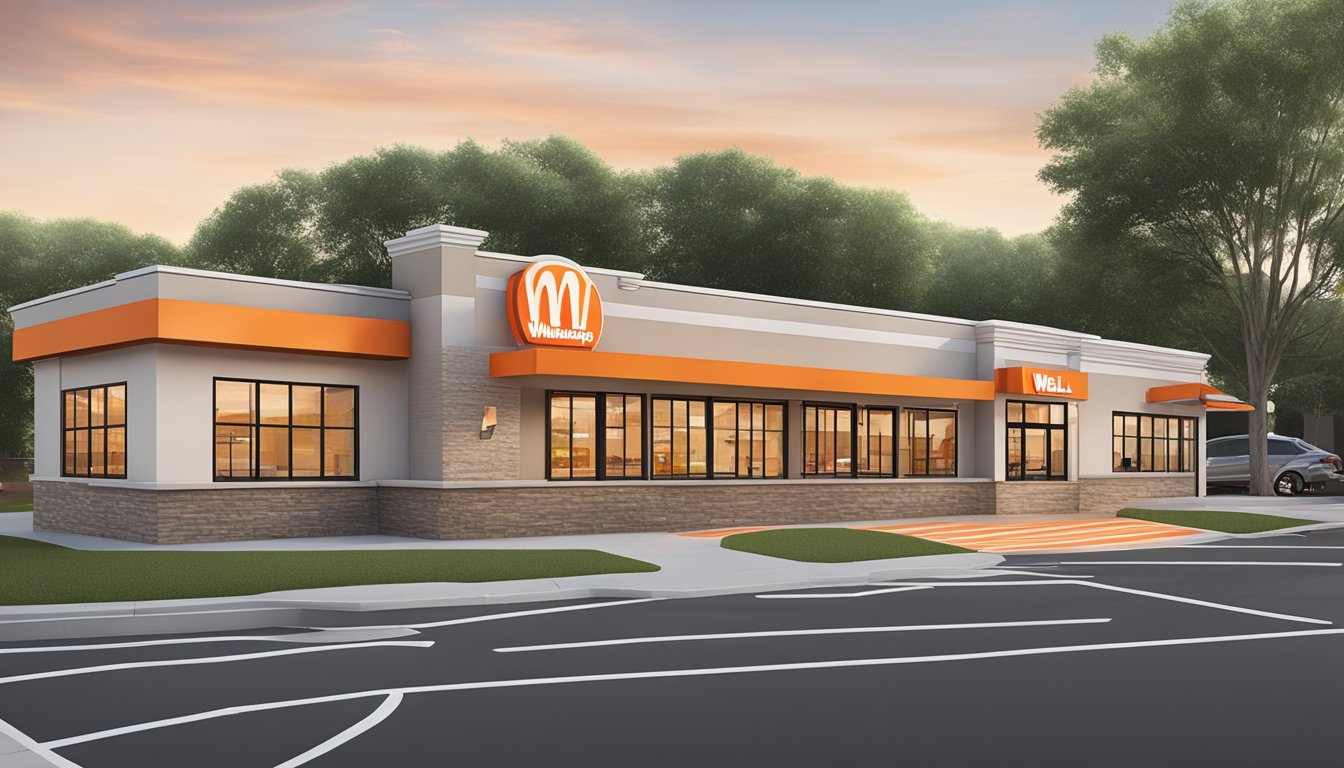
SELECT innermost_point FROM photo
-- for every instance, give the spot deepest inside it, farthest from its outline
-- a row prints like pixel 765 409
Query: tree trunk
pixel 1258 432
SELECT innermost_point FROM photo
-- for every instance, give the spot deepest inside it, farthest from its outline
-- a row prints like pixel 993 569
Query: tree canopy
pixel 1218 139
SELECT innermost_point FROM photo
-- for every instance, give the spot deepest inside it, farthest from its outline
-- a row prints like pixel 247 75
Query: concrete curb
pixel 317 607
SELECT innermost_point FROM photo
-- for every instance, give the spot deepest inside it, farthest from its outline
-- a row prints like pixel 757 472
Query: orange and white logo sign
pixel 1041 381
pixel 553 303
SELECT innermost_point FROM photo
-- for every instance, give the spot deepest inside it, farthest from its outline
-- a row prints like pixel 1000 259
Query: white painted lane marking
pixel 378 715
pixel 1011 572
pixel 1197 562
pixel 500 616
pixel 794 633
pixel 674 673
pixel 211 659
pixel 1113 588
pixel 826 595
pixel 33 746
pixel 1247 546
pixel 148 643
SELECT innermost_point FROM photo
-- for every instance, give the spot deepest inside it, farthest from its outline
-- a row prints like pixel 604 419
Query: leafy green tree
pixel 739 222
pixel 548 196
pixel 265 230
pixel 41 258
pixel 979 274
pixel 1219 137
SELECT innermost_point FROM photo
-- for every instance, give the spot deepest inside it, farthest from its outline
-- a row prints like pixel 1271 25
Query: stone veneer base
pixel 237 514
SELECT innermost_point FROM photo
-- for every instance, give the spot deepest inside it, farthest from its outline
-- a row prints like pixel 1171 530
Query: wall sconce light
pixel 488 422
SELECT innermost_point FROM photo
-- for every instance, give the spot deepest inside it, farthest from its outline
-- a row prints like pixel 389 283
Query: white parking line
pixel 1196 562
pixel 1127 590
pixel 148 643
pixel 794 633
pixel 828 595
pixel 378 715
pixel 500 616
pixel 675 673
pixel 33 746
pixel 210 659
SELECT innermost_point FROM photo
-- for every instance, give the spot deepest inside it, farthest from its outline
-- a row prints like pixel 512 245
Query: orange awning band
pixel 174 321
pixel 686 370
pixel 1197 394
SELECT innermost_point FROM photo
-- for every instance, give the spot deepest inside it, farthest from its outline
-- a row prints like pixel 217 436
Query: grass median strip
pixel 834 545
pixel 34 572
pixel 1223 522
pixel 16 506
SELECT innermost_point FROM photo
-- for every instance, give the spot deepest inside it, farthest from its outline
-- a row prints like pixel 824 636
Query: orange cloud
pixel 226 96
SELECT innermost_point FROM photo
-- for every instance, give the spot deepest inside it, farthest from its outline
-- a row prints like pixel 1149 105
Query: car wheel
pixel 1289 484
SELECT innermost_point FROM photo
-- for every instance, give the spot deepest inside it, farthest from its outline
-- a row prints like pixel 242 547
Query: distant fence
pixel 15 470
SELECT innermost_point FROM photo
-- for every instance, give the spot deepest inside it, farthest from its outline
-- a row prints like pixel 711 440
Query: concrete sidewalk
pixel 691 567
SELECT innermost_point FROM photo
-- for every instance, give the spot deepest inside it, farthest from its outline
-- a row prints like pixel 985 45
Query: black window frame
pixel 600 460
pixel 1182 440
pixel 738 402
pixel 105 427
pixel 928 442
pixel 867 435
pixel 853 422
pixel 1024 425
pixel 254 429
pixel 710 402
pixel 709 435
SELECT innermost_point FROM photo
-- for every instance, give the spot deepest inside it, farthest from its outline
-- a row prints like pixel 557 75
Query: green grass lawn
pixel 1224 522
pixel 34 572
pixel 834 545
pixel 16 506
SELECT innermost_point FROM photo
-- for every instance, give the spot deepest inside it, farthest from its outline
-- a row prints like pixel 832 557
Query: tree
pixel 981 275
pixel 42 258
pixel 1219 137
pixel 548 196
pixel 265 230
pixel 739 222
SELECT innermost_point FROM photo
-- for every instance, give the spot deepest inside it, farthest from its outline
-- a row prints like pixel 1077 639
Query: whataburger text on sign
pixel 1041 381
pixel 553 303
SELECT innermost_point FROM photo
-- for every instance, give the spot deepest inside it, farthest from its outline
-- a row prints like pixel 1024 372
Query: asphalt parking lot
pixel 1220 654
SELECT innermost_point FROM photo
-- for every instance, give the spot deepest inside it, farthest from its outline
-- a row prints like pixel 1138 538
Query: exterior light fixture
pixel 488 421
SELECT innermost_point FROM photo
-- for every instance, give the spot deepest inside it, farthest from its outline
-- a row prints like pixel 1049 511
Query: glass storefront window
pixel 828 440
pixel 596 436
pixel 680 438
pixel 876 442
pixel 266 430
pixel 93 431
pixel 1037 441
pixel 748 439
pixel 928 443
pixel 1142 442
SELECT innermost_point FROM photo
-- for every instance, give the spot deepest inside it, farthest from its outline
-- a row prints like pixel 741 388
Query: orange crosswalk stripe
pixel 1018 537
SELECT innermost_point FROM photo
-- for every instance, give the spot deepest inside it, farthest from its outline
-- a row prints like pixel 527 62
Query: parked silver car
pixel 1295 465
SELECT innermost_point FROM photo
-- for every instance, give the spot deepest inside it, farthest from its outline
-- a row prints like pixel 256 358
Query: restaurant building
pixel 492 395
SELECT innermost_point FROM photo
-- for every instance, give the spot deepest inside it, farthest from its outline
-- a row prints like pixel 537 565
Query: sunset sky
pixel 150 112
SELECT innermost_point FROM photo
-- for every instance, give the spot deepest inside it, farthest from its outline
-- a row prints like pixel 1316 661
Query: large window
pixel 596 437
pixel 94 431
pixel 748 439
pixel 1142 442
pixel 928 443
pixel 828 440
pixel 268 430
pixel 1037 441
pixel 876 441
pixel 680 438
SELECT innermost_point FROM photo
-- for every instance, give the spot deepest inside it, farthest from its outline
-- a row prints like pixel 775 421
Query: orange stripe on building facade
pixel 174 321
pixel 686 370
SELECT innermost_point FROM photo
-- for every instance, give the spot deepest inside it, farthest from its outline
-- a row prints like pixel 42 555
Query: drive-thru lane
pixel 1167 656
